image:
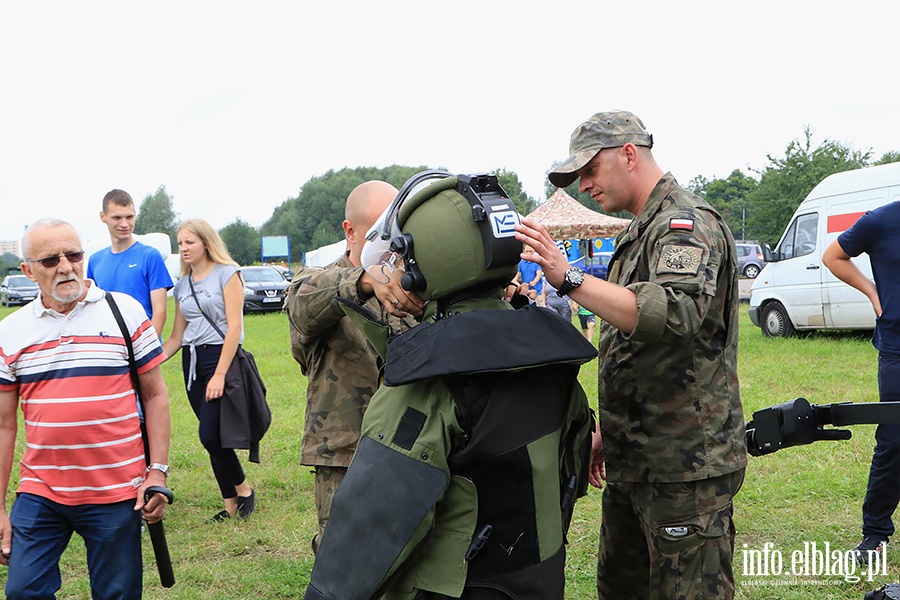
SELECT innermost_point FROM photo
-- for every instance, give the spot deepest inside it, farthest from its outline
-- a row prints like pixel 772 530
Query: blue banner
pixel 275 246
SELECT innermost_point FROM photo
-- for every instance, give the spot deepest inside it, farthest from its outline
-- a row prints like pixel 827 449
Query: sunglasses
pixel 51 261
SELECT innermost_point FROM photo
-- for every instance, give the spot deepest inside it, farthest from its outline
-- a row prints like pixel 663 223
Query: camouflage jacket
pixel 342 367
pixel 670 407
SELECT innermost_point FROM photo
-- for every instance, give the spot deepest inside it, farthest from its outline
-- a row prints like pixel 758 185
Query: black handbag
pixel 246 395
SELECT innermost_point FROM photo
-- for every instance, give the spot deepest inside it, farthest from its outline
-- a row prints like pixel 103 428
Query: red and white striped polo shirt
pixel 82 433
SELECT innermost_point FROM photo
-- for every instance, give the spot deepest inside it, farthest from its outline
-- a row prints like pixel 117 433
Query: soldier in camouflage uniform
pixel 342 368
pixel 670 412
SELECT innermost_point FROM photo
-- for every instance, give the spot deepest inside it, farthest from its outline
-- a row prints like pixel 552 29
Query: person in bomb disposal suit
pixel 473 452
pixel 670 411
pixel 342 368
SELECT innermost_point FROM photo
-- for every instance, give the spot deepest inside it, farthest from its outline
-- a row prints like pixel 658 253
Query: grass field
pixel 795 497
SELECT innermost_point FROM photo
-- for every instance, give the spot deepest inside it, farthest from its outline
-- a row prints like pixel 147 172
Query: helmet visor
pixel 377 258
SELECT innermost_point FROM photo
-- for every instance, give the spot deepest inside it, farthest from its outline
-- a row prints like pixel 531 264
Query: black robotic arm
pixel 797 423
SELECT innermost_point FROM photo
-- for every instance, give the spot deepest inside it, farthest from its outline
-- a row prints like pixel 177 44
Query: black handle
pixel 158 538
pixel 158 489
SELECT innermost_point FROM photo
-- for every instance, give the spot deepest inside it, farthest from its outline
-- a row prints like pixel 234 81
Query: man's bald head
pixel 367 201
pixel 365 204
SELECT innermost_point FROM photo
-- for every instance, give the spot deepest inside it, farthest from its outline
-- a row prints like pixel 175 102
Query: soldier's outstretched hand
pixel 546 253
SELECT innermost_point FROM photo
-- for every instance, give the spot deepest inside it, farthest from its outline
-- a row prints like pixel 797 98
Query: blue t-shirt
pixel 877 233
pixel 529 272
pixel 136 272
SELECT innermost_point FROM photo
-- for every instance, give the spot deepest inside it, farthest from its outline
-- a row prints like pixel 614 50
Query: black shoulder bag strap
pixel 132 368
pixel 194 294
pixel 157 531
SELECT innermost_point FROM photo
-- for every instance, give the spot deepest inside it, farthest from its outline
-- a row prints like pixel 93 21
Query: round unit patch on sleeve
pixel 680 259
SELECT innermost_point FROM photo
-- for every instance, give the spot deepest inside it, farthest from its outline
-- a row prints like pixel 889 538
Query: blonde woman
pixel 209 299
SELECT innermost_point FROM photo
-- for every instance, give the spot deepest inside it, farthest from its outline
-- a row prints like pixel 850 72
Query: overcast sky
pixel 233 106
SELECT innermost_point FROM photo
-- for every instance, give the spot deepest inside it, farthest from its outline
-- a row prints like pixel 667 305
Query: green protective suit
pixel 471 458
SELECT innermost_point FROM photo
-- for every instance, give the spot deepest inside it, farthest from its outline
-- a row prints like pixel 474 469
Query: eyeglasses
pixel 51 261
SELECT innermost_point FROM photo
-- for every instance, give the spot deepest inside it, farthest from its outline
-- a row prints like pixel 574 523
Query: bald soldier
pixel 342 367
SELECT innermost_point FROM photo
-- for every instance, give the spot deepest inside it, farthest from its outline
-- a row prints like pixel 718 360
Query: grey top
pixel 212 300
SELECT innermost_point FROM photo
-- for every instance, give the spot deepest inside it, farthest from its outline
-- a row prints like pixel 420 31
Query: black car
pixel 264 289
pixel 17 289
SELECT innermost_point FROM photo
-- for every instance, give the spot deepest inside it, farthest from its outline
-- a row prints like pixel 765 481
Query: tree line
pixel 8 262
pixel 756 205
pixel 312 219
pixel 758 208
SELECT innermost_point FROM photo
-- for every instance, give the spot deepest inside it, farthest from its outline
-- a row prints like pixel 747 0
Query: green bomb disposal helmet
pixel 450 232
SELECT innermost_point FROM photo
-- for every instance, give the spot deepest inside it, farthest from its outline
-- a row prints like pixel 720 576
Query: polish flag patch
pixel 682 224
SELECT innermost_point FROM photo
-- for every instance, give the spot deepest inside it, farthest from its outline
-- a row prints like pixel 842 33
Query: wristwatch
pixel 574 278
pixel 164 469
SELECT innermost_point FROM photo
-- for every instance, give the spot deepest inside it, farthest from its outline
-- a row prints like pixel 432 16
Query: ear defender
pixel 412 280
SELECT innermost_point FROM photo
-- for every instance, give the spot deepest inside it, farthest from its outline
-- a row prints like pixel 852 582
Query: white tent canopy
pixel 325 255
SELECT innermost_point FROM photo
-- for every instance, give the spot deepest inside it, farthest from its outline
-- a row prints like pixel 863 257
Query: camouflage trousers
pixel 325 485
pixel 672 541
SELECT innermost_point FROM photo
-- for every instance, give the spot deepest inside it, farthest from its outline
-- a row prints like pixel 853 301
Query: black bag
pixel 244 399
pixel 245 395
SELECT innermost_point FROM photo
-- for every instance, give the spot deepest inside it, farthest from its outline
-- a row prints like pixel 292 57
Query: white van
pixel 795 291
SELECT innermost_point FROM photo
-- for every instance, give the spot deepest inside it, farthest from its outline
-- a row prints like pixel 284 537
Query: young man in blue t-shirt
pixel 129 266
pixel 877 233
pixel 531 275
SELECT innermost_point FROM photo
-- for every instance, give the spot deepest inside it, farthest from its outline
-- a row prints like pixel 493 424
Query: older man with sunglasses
pixel 84 469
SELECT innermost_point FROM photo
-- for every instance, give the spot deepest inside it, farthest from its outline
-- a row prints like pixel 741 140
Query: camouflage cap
pixel 610 129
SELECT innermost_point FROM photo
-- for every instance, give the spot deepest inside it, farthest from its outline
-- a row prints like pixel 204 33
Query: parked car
pixel 264 288
pixel 17 289
pixel 750 260
pixel 598 264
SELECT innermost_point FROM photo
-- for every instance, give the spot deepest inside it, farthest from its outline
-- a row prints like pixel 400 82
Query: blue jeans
pixel 883 492
pixel 41 531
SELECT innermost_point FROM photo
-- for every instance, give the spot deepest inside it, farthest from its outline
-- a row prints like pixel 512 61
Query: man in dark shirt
pixel 877 233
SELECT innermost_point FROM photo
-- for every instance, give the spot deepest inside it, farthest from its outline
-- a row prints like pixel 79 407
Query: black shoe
pixel 867 545
pixel 219 517
pixel 246 504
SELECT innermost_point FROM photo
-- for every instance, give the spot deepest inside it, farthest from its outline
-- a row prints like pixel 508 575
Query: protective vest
pixel 472 456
